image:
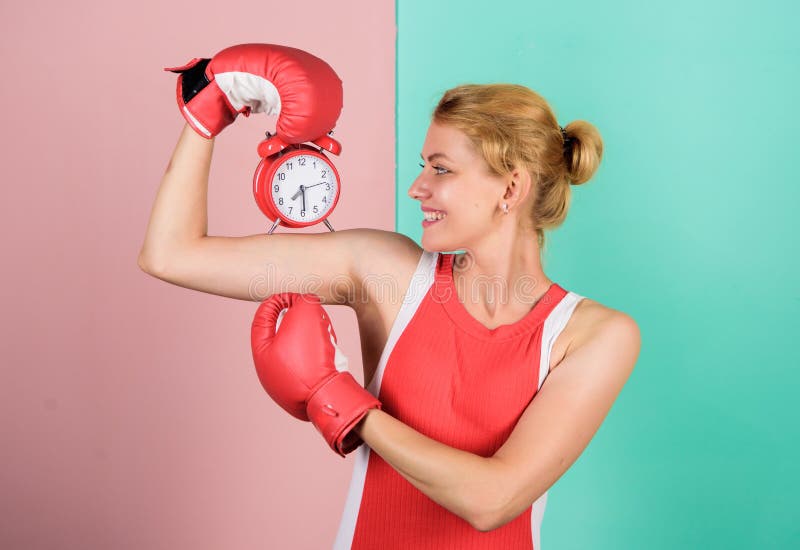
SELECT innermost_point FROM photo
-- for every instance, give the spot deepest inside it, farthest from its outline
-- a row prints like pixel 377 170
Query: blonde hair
pixel 512 125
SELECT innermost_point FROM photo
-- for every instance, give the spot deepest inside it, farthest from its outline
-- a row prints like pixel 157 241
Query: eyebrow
pixel 435 155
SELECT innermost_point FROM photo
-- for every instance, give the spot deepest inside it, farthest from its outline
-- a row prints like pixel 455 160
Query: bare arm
pixel 178 250
pixel 552 432
pixel 180 213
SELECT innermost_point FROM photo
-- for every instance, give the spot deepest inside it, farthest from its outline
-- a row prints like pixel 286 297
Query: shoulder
pixel 592 321
pixel 383 257
pixel 377 249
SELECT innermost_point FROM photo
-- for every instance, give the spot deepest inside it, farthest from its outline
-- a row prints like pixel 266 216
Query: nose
pixel 419 189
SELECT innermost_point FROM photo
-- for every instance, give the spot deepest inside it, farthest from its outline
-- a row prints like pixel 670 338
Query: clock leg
pixel 274 225
pixel 326 222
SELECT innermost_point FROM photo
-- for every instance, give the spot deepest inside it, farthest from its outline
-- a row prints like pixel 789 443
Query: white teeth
pixel 430 216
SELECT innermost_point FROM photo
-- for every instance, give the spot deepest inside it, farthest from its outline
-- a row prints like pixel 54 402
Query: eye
pixel 439 170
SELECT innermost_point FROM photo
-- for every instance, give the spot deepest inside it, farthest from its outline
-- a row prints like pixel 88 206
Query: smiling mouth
pixel 434 216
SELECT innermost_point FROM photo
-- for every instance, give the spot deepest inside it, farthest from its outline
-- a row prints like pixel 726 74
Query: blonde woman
pixel 491 378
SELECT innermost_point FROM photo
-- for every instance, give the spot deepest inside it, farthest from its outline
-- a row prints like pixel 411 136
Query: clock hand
pixel 299 190
pixel 302 187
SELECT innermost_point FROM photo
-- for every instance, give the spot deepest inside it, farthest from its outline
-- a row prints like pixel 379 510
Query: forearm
pixel 179 213
pixel 465 483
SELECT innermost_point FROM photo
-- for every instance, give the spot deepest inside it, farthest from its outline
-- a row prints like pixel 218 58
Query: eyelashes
pixel 437 169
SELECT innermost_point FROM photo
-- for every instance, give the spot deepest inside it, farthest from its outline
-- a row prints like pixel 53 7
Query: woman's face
pixel 455 180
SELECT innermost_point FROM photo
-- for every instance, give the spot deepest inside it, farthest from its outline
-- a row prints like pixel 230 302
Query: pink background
pixel 131 413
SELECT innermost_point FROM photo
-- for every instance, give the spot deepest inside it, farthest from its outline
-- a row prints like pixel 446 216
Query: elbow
pixel 490 520
pixel 482 523
pixel 487 515
pixel 141 261
pixel 148 264
pixel 489 500
pixel 485 521
pixel 495 510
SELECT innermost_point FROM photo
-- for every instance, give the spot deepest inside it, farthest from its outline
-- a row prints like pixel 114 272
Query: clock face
pixel 304 187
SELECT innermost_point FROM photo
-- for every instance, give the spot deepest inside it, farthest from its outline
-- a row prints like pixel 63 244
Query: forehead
pixel 450 141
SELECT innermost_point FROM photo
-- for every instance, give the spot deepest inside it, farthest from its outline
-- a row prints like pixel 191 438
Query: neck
pixel 501 275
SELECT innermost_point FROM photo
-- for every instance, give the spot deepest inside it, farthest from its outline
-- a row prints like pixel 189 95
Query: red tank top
pixel 454 380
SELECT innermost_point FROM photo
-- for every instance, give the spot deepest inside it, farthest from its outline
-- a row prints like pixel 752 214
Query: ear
pixel 518 186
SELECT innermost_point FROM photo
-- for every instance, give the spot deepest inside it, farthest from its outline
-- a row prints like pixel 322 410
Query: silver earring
pixel 505 208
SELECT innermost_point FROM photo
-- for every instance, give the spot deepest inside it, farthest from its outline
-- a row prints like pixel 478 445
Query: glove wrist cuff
pixel 337 407
pixel 210 111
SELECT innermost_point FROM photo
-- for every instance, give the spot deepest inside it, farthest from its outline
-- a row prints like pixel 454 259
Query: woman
pixel 463 453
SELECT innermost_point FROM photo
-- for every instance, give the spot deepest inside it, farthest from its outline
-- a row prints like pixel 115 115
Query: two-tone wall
pixel 130 413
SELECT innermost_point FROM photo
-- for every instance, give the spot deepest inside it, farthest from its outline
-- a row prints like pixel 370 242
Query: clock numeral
pixel 324 199
pixel 281 176
pixel 276 188
pixel 301 161
pixel 280 201
pixel 316 209
pixel 289 165
pixel 327 186
pixel 302 213
pixel 290 209
pixel 324 173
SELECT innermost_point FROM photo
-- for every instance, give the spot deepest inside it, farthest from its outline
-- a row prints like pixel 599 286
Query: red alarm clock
pixel 296 184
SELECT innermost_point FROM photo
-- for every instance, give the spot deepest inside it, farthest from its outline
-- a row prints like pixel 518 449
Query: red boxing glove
pixel 300 88
pixel 302 368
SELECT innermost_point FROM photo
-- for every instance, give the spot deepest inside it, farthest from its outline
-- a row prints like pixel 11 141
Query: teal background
pixel 688 227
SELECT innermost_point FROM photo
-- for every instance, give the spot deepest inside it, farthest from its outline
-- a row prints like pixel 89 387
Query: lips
pixel 432 216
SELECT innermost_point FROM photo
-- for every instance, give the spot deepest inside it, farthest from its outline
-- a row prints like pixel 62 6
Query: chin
pixel 451 238
pixel 429 244
pixel 432 244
